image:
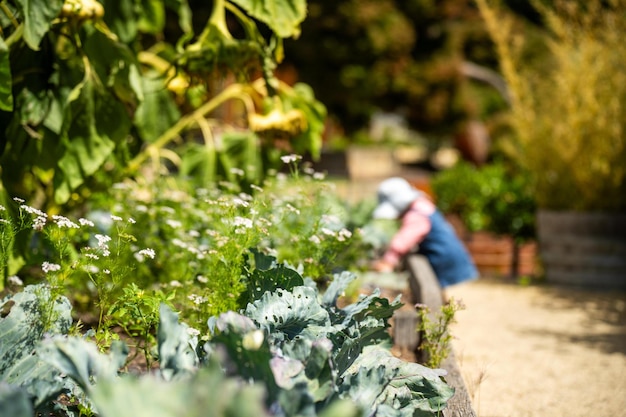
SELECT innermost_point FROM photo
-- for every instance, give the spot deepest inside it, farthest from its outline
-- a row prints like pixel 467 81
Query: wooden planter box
pixel 425 289
pixel 586 249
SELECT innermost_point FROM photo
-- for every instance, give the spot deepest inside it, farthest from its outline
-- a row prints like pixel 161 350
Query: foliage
pixel 91 90
pixel 275 359
pixel 396 56
pixel 205 251
pixel 488 198
pixel 568 112
pixel 435 332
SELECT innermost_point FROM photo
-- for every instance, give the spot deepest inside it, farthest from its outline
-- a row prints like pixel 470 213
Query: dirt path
pixel 542 351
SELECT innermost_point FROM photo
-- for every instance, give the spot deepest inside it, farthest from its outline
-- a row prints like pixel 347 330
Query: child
pixel 423 228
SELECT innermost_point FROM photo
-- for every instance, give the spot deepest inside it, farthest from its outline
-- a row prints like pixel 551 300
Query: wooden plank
pixel 426 290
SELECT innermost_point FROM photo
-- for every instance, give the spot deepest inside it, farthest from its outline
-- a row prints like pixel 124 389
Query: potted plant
pixel 496 210
pixel 568 124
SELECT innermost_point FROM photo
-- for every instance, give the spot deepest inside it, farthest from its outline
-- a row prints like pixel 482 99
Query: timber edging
pixel 426 290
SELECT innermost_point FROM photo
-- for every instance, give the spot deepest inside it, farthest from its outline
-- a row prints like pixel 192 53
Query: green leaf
pixel 206 394
pixel 158 111
pixel 152 18
pixel 121 17
pixel 93 125
pixel 288 312
pixel 6 81
pixel 27 316
pixel 14 402
pixel 81 360
pixel 282 16
pixel 177 348
pixel 38 17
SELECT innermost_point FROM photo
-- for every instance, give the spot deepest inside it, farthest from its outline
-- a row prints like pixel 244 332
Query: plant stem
pixel 231 92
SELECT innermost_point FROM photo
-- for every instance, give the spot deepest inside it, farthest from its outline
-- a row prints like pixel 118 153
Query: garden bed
pixel 418 285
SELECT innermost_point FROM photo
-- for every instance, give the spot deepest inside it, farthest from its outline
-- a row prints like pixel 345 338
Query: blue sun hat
pixel 395 195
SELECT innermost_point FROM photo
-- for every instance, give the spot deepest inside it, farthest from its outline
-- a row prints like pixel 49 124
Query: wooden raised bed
pixel 425 289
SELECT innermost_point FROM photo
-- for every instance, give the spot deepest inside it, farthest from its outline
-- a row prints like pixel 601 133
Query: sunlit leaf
pixel 6 81
pixel 282 16
pixel 38 16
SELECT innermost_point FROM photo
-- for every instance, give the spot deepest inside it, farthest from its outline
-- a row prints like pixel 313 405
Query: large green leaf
pixel 288 312
pixel 282 16
pixel 177 347
pixel 31 314
pixel 14 402
pixel 207 394
pixel 38 16
pixel 6 81
pixel 158 111
pixel 94 124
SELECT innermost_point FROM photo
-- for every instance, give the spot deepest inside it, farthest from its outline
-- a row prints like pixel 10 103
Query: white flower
pixel 147 253
pixel 116 218
pixel 85 222
pixel 50 267
pixel 62 221
pixel 131 220
pixel 18 200
pixel 193 332
pixel 290 158
pixel 33 210
pixel 39 223
pixel 15 280
pixel 92 256
pixel 175 283
pixel 202 279
pixel 344 234
pixel 242 221
pixel 237 171
pixel 2 208
pixel 174 224
pixel 315 239
pixel 102 240
pixel 239 202
pixel 196 299
pixel 106 271
pixel 327 231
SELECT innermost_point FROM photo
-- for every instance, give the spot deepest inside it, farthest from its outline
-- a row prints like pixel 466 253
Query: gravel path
pixel 542 350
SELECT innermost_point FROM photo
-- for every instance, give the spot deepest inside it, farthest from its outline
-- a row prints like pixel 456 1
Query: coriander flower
pixel 50 267
pixel 116 218
pixel 2 208
pixel 147 253
pixel 39 222
pixel 63 221
pixel 290 158
pixel 18 200
pixel 85 222
pixel 315 239
pixel 237 171
pixel 102 240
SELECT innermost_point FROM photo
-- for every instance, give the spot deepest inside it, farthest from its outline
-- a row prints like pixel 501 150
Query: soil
pixel 541 350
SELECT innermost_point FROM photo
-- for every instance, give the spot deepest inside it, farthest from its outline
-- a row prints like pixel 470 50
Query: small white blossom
pixel 33 210
pixel 116 218
pixel 194 233
pixel 18 200
pixel 2 208
pixel 62 221
pixel 15 280
pixel 343 235
pixel 131 220
pixel 50 267
pixel 193 332
pixel 242 221
pixel 175 283
pixel 106 271
pixel 319 176
pixel 239 202
pixel 92 256
pixel 39 223
pixel 315 239
pixel 85 222
pixel 202 279
pixel 327 231
pixel 237 171
pixel 196 299
pixel 5 221
pixel 256 188
pixel 146 253
pixel 102 240
pixel 141 208
pixel 174 224
pixel 290 158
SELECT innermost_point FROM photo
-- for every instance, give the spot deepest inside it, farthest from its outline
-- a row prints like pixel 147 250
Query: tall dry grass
pixel 568 109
